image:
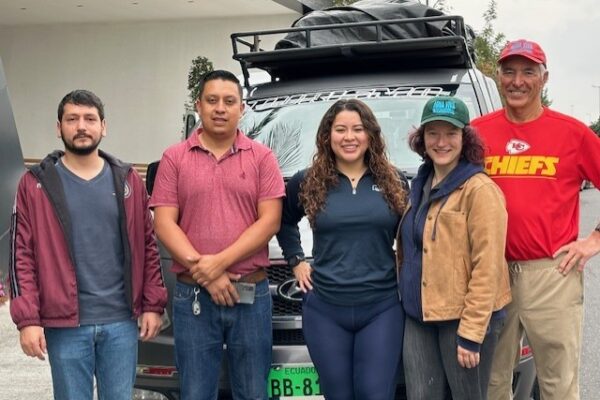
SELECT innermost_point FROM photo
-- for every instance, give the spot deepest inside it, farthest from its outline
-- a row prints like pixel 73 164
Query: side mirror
pixel 151 176
pixel 191 120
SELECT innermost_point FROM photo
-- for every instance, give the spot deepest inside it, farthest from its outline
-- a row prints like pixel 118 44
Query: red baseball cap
pixel 523 48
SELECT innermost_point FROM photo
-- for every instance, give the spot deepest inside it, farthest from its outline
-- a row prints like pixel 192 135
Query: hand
pixel 33 341
pixel 222 291
pixel 206 268
pixel 578 253
pixel 466 358
pixel 149 325
pixel 303 274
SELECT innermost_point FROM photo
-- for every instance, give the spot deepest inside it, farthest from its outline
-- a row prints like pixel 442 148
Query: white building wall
pixel 139 70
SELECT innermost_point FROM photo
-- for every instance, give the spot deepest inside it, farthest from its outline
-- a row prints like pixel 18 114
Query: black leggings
pixel 356 349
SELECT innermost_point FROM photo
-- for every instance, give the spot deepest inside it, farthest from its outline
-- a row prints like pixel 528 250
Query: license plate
pixel 293 380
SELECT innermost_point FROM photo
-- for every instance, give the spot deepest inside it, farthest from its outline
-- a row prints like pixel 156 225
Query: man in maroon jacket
pixel 84 264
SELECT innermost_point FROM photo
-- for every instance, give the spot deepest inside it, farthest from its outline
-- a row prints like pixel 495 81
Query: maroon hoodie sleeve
pixel 23 274
pixel 154 292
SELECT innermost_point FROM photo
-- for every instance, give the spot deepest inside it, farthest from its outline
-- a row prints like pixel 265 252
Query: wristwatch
pixel 295 260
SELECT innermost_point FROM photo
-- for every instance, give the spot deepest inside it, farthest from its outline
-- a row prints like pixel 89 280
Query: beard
pixel 80 150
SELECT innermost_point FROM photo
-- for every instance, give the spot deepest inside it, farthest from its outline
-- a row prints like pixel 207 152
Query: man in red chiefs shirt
pixel 539 158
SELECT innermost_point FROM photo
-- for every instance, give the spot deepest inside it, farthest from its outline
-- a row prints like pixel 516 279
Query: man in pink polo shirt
pixel 217 202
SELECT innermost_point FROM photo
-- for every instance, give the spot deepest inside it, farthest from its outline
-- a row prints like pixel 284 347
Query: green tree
pixel 489 43
pixel 200 67
pixel 596 127
pixel 545 98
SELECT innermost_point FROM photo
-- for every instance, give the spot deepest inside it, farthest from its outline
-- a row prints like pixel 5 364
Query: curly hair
pixel 472 145
pixel 322 175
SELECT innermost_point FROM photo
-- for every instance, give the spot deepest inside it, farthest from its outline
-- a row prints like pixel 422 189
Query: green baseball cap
pixel 446 108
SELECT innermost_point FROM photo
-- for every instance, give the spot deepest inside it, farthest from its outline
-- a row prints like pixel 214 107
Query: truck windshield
pixel 289 126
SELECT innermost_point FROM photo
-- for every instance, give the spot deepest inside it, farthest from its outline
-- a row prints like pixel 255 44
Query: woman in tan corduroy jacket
pixel 453 277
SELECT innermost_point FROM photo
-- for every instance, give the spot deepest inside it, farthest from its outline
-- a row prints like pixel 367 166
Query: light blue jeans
pixel 106 351
pixel 244 328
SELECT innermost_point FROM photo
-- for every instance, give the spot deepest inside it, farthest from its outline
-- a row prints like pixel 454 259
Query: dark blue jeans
pixel 431 367
pixel 356 350
pixel 246 331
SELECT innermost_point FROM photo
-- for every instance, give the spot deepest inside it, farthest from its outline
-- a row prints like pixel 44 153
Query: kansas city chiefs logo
pixel 515 146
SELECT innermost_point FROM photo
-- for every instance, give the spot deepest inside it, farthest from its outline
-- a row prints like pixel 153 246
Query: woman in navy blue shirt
pixel 353 197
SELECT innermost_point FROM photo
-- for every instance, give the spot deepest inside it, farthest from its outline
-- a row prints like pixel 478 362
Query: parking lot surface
pixel 24 378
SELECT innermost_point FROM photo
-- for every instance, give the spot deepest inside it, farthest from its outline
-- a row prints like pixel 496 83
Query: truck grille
pixel 283 307
pixel 288 337
pixel 279 273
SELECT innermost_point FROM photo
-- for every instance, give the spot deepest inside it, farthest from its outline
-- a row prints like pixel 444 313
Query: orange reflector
pixel 156 371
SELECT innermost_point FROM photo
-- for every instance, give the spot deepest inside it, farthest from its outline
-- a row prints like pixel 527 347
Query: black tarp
pixel 367 11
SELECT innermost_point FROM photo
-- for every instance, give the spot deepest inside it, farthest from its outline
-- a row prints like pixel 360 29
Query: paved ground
pixel 23 378
pixel 590 359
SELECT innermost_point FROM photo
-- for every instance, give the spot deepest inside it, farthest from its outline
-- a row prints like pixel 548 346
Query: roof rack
pixel 376 54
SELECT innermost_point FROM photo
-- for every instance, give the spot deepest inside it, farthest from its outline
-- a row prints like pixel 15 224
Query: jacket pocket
pixel 462 276
pixel 452 247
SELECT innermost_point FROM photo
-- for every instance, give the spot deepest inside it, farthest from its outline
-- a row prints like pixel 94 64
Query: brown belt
pixel 185 278
pixel 253 277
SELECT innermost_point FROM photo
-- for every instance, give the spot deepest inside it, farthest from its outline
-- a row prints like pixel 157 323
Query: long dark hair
pixel 323 175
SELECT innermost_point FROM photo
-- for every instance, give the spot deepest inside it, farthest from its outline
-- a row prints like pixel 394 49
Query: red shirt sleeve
pixel 271 184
